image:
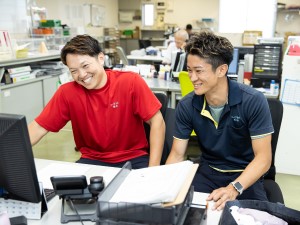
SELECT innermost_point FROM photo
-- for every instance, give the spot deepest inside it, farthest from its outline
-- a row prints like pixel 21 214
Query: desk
pixel 171 88
pixel 52 216
pixel 54 206
pixel 267 93
pixel 149 58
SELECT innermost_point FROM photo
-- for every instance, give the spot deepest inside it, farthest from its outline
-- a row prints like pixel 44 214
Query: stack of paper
pixel 152 185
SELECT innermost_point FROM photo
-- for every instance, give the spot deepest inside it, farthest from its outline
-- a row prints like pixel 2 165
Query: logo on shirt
pixel 114 105
pixel 236 118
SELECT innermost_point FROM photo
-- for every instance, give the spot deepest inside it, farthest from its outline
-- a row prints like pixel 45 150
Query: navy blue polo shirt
pixel 225 145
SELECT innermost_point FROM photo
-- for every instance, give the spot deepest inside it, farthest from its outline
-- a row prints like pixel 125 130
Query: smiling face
pixel 87 71
pixel 204 78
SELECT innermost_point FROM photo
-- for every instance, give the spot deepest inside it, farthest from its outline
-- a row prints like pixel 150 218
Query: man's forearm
pixel 157 138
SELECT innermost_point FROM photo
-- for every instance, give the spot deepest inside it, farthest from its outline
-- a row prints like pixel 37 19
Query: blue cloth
pixel 225 145
pixel 136 163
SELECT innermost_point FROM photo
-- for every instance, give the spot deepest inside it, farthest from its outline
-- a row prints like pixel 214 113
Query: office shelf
pixel 266 64
pixel 33 58
pixel 30 96
pixel 111 40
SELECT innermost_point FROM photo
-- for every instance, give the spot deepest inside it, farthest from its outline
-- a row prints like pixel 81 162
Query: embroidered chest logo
pixel 114 105
pixel 236 118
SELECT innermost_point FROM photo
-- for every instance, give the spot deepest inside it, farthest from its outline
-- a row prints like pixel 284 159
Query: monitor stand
pixel 78 208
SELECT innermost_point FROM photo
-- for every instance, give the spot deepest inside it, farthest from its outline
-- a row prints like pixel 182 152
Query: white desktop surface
pixel 52 216
pixel 153 58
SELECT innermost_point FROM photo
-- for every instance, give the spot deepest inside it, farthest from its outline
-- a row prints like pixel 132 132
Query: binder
pixel 109 212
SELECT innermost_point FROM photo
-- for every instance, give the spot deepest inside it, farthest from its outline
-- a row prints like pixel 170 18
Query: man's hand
pixel 221 195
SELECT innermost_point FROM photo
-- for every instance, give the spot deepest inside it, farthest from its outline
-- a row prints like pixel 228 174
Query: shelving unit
pixel 111 40
pixel 28 97
pixel 55 39
pixel 294 11
pixel 267 63
pixel 155 36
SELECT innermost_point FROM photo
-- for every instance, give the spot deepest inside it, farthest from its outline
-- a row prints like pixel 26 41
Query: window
pixel 236 16
pixel 148 14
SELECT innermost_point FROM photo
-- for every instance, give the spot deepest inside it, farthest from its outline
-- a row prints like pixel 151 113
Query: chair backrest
pixel 276 109
pixel 170 127
pixel 122 55
pixel 186 84
pixel 164 111
pixel 144 43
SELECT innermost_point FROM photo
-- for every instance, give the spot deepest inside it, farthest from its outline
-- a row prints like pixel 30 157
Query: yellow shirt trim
pixel 207 114
pixel 226 171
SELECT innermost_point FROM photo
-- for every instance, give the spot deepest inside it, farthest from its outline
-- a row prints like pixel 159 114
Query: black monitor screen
pixel 18 175
pixel 176 61
pixel 234 65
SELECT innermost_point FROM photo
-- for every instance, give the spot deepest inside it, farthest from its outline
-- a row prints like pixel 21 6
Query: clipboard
pixel 185 188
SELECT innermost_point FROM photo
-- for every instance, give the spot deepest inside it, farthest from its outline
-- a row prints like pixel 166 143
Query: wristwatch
pixel 238 187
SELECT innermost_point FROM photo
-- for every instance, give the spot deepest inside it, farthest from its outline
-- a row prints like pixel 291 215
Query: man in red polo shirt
pixel 106 109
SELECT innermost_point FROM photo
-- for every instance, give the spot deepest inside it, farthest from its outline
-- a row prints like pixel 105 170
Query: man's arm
pixel 256 169
pixel 157 138
pixel 178 150
pixel 36 132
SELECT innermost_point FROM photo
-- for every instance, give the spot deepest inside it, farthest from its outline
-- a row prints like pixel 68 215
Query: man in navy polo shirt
pixel 232 122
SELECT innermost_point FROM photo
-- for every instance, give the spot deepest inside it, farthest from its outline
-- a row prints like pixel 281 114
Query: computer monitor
pixel 175 61
pixel 18 177
pixel 234 65
pixel 175 65
pixel 243 50
pixel 182 63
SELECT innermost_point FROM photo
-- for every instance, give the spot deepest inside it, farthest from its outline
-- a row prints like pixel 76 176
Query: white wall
pixel 288 22
pixel 70 12
pixel 13 17
pixel 184 12
pixel 191 11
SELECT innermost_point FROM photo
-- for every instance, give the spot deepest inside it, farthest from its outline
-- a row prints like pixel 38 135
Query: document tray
pixel 110 213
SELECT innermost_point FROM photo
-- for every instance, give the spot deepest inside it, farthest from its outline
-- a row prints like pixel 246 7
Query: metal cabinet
pixel 28 97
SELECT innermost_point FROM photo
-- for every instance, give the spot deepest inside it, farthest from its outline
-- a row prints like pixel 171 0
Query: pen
pixel 4 34
pixel 205 212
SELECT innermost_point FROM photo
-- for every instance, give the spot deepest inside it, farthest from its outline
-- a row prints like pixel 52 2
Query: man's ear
pixel 101 58
pixel 222 70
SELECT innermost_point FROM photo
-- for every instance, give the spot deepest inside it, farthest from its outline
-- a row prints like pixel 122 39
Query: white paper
pixel 199 198
pixel 291 92
pixel 153 184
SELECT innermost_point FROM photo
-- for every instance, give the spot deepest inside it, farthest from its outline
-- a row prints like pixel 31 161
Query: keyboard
pixel 49 193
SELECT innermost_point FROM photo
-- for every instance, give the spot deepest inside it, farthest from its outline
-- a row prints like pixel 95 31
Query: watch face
pixel 238 186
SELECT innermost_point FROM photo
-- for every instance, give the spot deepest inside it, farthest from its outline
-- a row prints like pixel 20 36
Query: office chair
pixel 144 43
pixel 186 86
pixel 170 126
pixel 169 117
pixel 122 55
pixel 273 190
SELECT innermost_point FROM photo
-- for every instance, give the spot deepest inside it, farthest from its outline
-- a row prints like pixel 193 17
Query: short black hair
pixel 216 50
pixel 81 45
pixel 189 27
